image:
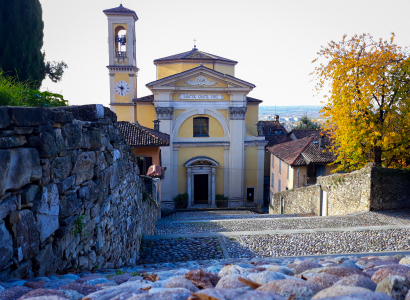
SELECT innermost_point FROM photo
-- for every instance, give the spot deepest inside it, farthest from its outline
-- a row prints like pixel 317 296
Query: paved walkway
pixel 219 235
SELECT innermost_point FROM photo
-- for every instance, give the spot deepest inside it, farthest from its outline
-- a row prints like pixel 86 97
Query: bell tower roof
pixel 120 10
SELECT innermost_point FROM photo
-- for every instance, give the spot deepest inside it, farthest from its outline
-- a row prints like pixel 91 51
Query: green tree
pixel 21 34
pixel 306 123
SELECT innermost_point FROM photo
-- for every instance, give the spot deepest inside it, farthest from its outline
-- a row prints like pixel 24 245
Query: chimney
pixel 277 118
pixel 156 125
pixel 322 141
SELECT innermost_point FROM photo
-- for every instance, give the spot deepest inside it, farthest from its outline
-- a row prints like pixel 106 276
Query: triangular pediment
pixel 201 77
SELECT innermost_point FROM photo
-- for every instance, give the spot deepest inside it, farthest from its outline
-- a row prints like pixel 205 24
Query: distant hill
pixel 291 111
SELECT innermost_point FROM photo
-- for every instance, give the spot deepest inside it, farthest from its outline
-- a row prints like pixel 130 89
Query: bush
pixel 181 200
pixel 15 93
pixel 221 200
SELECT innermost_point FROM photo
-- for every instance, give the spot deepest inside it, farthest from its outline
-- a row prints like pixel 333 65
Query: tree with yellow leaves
pixel 368 103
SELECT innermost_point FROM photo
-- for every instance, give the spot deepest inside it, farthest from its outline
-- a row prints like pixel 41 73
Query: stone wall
pixel 70 192
pixel 370 188
pixel 347 193
pixel 301 200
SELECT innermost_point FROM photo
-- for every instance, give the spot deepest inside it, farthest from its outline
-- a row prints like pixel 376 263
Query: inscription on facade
pixel 200 97
pixel 201 81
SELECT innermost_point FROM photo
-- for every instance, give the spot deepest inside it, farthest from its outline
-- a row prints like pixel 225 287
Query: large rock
pixel 47 210
pixel 343 272
pixel 69 204
pixel 91 112
pixel 8 206
pixel 396 287
pixel 14 292
pixel 84 167
pixel 301 289
pixel 44 261
pixel 267 276
pixel 258 295
pixel 44 143
pixel 405 260
pixel 386 271
pixel 26 236
pixel 28 116
pixel 220 294
pixel 18 167
pixel 357 280
pixel 6 246
pixel 72 134
pixel 306 265
pixel 60 168
pixel 324 280
pixel 181 282
pixel 12 141
pixel 335 291
pixel 29 194
pixel 4 117
pixel 230 282
pixel 232 270
pixel 41 293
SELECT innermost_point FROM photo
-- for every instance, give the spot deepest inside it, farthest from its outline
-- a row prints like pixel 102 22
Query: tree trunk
pixel 377 156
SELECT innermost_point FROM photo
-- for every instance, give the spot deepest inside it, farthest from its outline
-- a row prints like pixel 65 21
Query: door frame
pixel 254 191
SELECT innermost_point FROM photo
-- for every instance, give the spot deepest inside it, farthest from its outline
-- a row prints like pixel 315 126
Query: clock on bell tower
pixel 122 61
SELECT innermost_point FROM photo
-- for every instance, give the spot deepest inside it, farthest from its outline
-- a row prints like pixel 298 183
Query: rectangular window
pixel 279 185
pixel 273 161
pixel 288 172
pixel 280 166
pixel 273 180
pixel 201 127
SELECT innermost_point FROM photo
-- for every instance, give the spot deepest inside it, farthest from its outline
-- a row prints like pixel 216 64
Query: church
pixel 215 149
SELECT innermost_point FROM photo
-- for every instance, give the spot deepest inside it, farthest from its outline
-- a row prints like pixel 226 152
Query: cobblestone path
pixel 227 234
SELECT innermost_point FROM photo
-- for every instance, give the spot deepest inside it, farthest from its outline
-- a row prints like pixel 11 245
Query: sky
pixel 274 41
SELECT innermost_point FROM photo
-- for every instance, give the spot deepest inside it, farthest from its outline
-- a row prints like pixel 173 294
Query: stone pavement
pixel 318 260
pixel 247 235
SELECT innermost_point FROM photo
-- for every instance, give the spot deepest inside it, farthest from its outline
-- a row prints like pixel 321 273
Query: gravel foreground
pixel 329 278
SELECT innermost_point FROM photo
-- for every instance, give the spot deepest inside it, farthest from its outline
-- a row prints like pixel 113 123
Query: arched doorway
pixel 201 172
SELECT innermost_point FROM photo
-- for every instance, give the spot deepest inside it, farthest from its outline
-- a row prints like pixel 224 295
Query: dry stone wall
pixel 70 192
pixel 370 188
pixel 347 193
pixel 301 200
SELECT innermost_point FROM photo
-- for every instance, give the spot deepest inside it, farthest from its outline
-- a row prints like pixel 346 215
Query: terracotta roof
pixel 120 10
pixel 303 151
pixel 253 100
pixel 140 136
pixel 195 54
pixel 273 127
pixel 301 133
pixel 277 139
pixel 149 98
pixel 197 69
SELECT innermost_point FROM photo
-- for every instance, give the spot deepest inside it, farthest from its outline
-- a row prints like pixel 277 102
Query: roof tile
pixel 140 136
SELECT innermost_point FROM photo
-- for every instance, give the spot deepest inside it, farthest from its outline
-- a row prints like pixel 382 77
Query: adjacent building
pixel 299 162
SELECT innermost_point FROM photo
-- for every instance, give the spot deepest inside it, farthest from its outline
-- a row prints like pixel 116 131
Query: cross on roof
pixel 195 43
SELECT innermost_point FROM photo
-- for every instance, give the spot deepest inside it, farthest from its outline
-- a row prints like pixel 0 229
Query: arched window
pixel 201 126
pixel 120 42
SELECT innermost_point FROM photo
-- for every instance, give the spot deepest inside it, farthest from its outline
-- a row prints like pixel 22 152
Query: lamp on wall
pixel 259 127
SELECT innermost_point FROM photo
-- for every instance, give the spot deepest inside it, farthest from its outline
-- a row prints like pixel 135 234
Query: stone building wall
pixel 370 188
pixel 70 192
pixel 301 200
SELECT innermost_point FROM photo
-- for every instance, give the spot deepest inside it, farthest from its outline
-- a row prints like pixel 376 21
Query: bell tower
pixel 122 61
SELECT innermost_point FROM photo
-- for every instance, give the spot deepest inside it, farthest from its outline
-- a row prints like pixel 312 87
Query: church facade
pixel 214 146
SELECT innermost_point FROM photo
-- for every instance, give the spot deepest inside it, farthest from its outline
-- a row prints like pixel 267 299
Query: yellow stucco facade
pixel 172 68
pixel 186 129
pixel 252 119
pixel 145 114
pixel 216 153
